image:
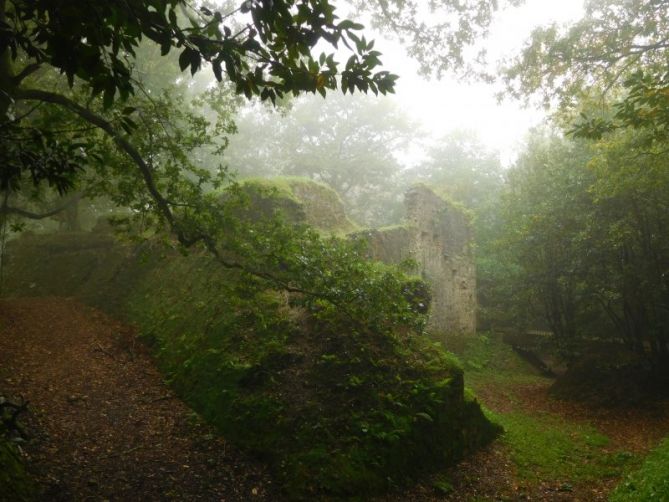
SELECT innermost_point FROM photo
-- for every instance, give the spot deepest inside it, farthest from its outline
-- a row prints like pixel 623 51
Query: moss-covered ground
pixel 544 444
pixel 335 414
pixel 650 481
pixel 551 449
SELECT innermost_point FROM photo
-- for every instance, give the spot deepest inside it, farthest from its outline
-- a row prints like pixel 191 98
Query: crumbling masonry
pixel 438 238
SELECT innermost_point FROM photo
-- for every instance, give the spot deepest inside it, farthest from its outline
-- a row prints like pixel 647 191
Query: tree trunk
pixel 6 85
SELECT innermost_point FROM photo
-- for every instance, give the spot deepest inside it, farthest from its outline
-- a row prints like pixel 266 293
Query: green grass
pixel 542 446
pixel 547 447
pixel 487 360
pixel 650 482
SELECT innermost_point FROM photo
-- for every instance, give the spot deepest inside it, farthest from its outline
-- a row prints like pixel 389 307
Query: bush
pixel 339 390
pixel 650 482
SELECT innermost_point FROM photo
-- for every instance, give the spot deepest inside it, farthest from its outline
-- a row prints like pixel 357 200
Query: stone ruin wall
pixel 438 237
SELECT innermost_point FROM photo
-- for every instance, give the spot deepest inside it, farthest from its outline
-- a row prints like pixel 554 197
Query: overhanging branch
pixel 162 203
pixel 25 73
pixel 7 210
pixel 123 144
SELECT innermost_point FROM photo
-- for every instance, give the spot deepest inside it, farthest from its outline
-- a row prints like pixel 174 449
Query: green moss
pixel 394 228
pixel 281 186
pixel 443 192
pixel 650 482
pixel 487 361
pixel 547 447
pixel 339 414
pixel 301 200
pixel 15 484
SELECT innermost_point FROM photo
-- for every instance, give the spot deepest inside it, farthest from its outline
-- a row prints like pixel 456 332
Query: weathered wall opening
pixel 438 238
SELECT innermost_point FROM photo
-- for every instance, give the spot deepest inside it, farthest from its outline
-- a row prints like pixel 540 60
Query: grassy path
pixel 552 450
pixel 106 427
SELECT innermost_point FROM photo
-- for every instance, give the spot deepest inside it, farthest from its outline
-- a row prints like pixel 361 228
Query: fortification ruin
pixel 436 236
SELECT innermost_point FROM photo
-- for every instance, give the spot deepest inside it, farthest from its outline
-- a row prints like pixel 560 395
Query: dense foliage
pixel 263 49
pixel 583 228
pixel 337 406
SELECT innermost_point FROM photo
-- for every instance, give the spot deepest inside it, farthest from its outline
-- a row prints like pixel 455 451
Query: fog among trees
pixel 235 266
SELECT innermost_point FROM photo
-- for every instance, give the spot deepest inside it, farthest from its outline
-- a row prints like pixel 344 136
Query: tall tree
pixel 439 34
pixel 271 55
pixel 614 39
pixel 352 143
pixel 583 227
pixel 619 48
pixel 462 167
pixel 544 208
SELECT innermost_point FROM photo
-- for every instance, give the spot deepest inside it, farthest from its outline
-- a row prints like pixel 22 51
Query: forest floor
pixel 551 450
pixel 104 425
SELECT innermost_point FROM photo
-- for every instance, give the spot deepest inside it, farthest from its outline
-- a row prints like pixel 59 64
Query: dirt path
pixel 105 426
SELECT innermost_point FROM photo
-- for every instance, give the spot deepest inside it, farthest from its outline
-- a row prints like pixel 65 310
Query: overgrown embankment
pixel 334 408
pixel 554 449
pixel 101 423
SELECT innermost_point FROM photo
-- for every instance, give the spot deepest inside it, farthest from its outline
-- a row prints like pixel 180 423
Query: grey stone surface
pixel 438 238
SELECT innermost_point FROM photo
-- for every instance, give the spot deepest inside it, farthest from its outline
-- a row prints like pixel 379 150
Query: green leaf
pixel 184 59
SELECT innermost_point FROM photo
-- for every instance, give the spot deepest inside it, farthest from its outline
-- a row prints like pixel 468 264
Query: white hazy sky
pixel 444 105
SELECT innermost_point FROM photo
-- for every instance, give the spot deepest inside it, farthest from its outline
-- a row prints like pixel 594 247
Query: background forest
pixel 153 118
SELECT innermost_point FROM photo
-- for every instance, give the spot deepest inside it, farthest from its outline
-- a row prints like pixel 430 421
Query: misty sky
pixel 444 105
pixel 441 106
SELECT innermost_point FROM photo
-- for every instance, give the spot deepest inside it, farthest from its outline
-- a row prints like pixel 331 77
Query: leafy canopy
pixel 618 51
pixel 262 48
pixel 268 51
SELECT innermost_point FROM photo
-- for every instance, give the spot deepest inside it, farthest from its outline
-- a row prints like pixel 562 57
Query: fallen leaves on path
pixel 105 425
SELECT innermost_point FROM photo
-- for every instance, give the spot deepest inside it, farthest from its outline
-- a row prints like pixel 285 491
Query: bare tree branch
pixel 25 73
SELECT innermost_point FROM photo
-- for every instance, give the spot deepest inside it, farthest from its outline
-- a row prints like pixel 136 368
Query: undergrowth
pixel 15 483
pixel 542 446
pixel 336 407
pixel 650 482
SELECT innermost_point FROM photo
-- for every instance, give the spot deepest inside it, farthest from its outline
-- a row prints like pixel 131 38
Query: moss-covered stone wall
pixel 301 200
pixel 438 238
pixel 273 380
pixel 443 247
